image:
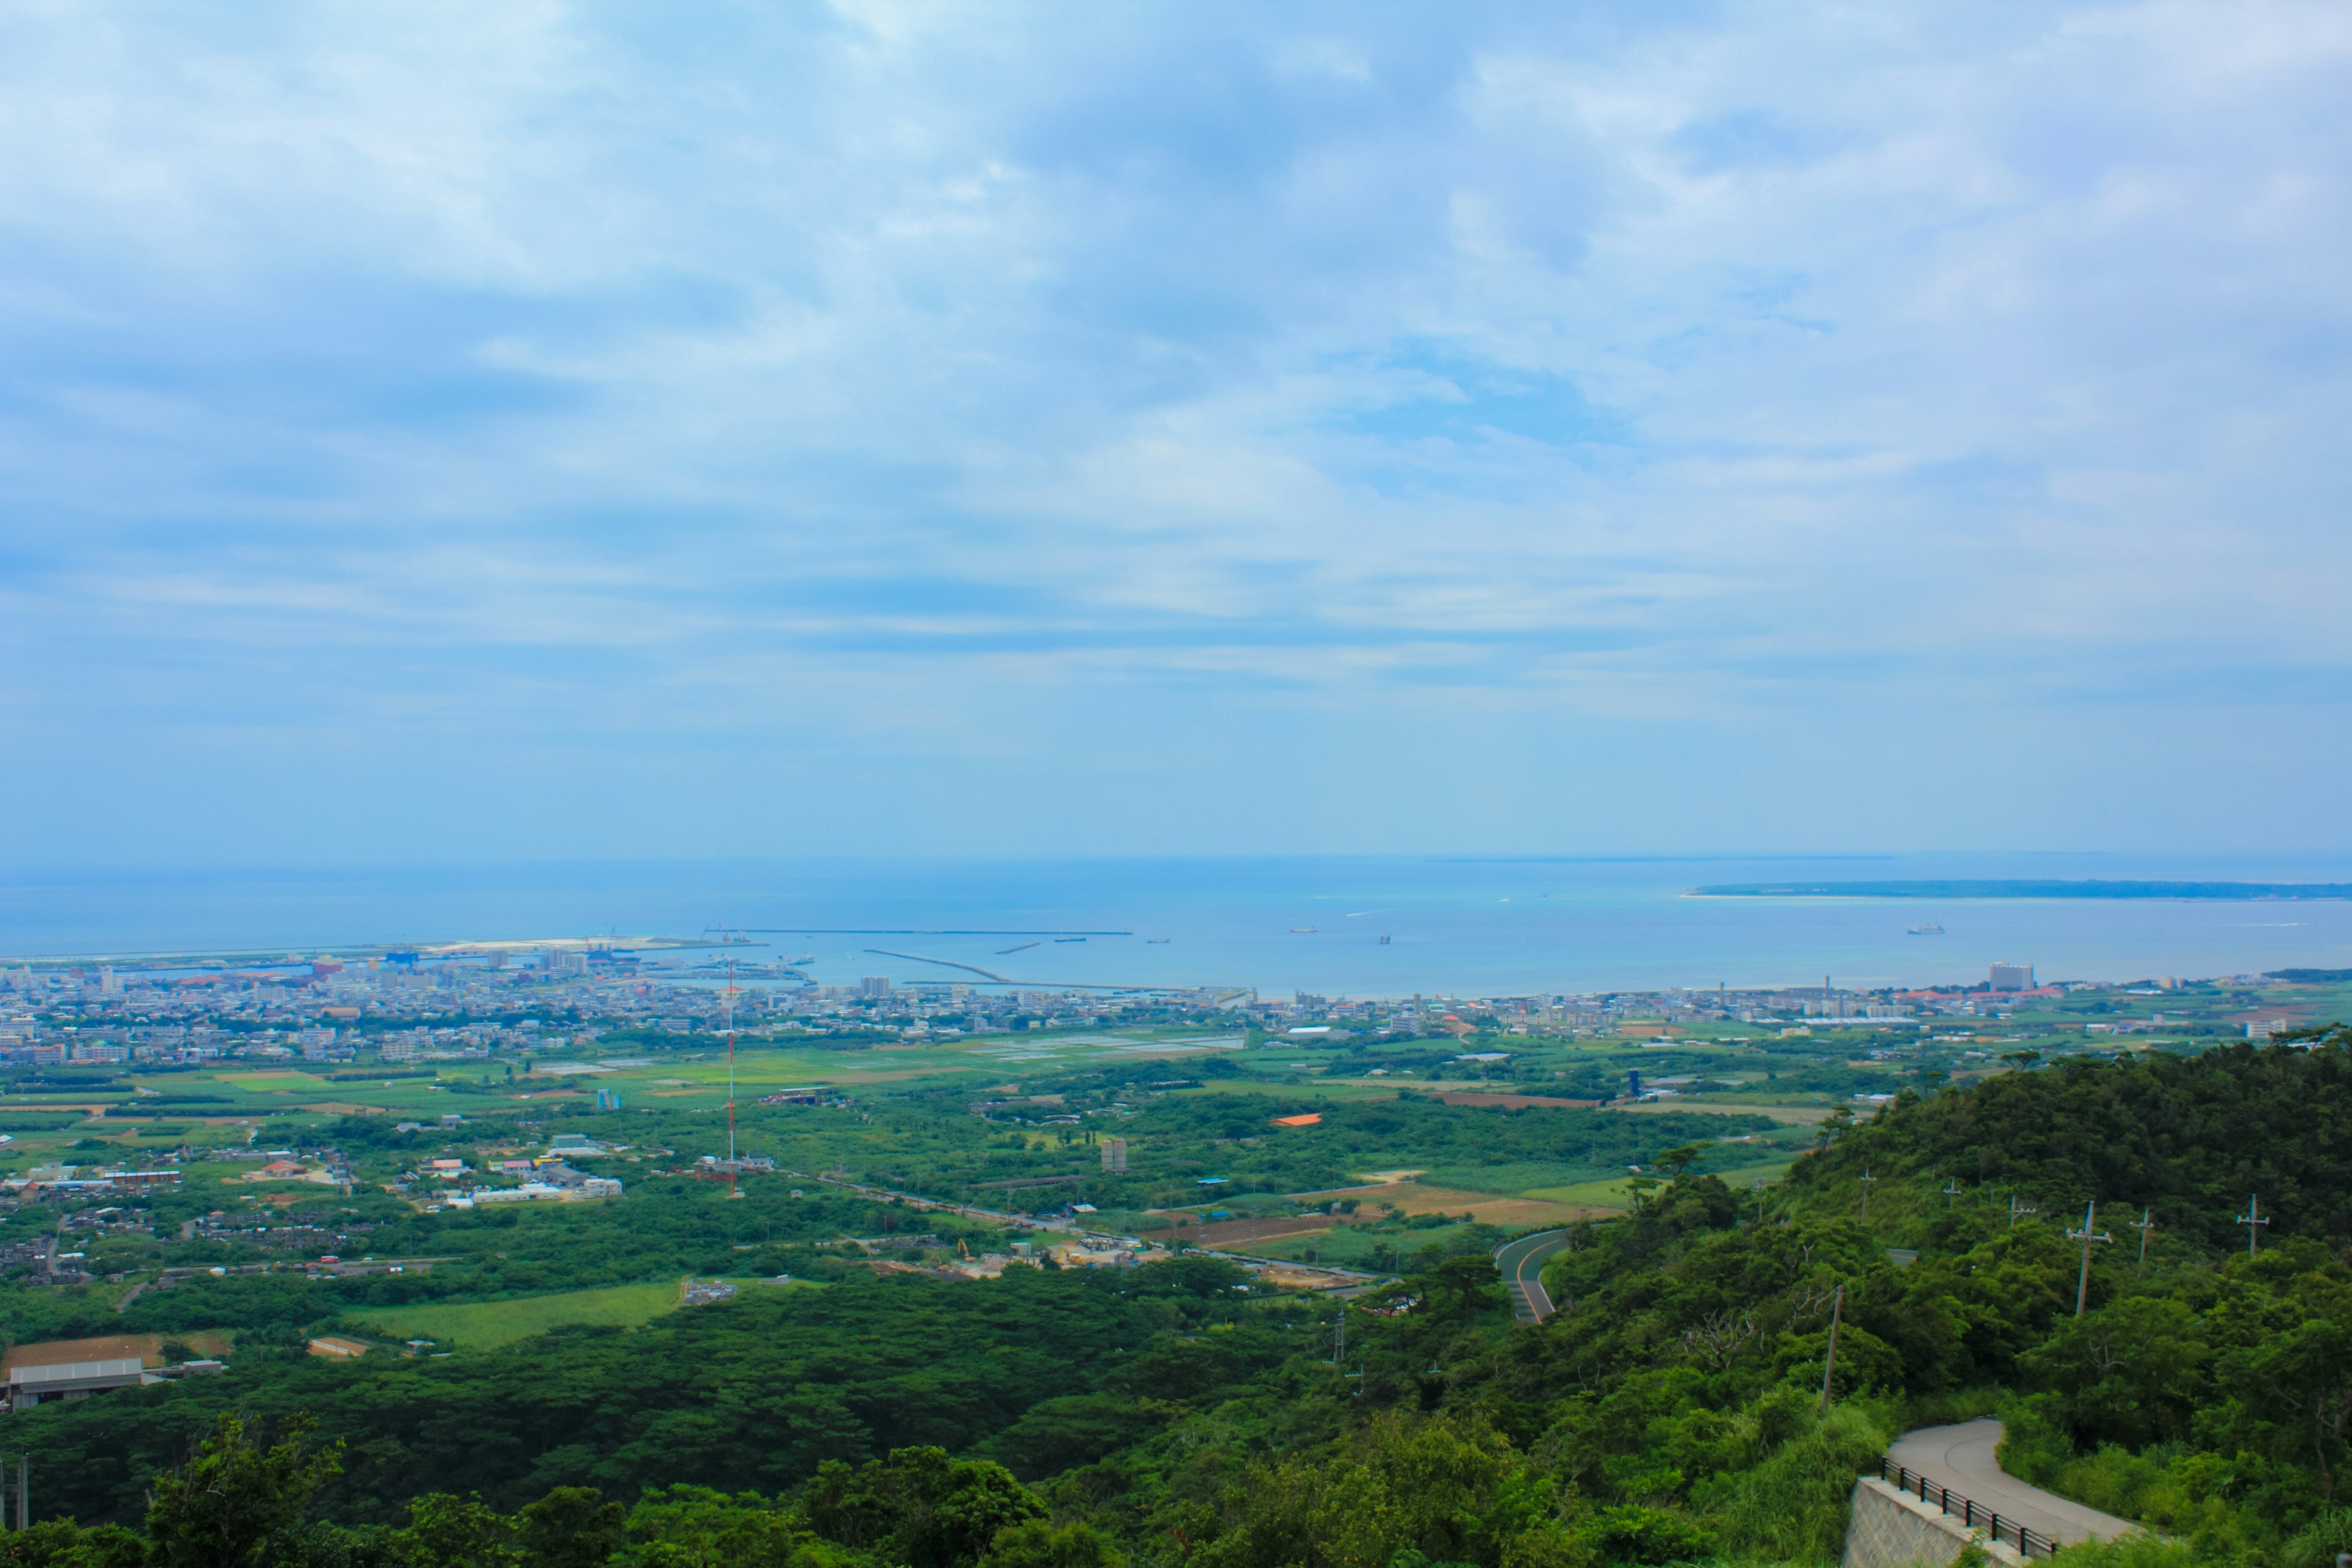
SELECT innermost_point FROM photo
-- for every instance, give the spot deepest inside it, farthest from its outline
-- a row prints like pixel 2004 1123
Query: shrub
pixel 1796 1502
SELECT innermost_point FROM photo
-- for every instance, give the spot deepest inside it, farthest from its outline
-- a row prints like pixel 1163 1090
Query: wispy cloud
pixel 1031 385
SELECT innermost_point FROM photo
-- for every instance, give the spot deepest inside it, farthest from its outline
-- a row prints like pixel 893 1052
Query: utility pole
pixel 1951 1191
pixel 2085 1236
pixel 2018 1210
pixel 1866 1179
pixel 1340 1335
pixel 2143 1225
pixel 2252 1218
pixel 1757 1187
pixel 1829 1368
pixel 24 1489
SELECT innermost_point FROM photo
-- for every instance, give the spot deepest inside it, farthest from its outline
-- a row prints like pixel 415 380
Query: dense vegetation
pixel 1670 1413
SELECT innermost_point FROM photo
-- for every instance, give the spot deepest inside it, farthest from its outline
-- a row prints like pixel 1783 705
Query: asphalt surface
pixel 1962 1457
pixel 1521 1263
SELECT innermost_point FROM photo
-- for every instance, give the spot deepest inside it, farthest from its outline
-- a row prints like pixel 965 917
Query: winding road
pixel 1521 1263
pixel 1962 1457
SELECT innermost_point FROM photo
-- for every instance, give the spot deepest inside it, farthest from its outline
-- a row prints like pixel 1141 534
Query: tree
pixel 61 1544
pixel 697 1527
pixel 920 1507
pixel 219 1509
pixel 1460 1288
pixel 1036 1543
pixel 2303 1377
pixel 445 1531
pixel 571 1527
pixel 2133 1371
pixel 1675 1162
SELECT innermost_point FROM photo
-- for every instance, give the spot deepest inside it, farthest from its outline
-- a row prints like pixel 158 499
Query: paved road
pixel 1521 1263
pixel 1962 1457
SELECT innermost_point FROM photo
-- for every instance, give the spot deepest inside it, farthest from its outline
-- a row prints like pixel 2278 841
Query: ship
pixel 1930 929
pixel 1302 931
pixel 1384 942
pixel 1069 938
pixel 1155 941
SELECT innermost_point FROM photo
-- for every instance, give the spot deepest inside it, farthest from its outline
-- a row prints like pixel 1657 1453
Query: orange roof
pixel 1309 1119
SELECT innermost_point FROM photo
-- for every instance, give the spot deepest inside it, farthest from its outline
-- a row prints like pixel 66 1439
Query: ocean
pixel 1453 926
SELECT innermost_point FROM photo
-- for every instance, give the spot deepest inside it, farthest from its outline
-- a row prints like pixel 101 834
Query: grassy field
pixel 1604 1195
pixel 486 1325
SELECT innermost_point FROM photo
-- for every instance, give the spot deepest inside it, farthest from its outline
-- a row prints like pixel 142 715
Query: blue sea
pixel 1454 926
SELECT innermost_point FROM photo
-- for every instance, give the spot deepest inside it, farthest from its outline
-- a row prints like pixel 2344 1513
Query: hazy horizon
pixel 1360 925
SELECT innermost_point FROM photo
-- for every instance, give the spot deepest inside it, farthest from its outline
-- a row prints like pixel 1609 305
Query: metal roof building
pixel 28 1385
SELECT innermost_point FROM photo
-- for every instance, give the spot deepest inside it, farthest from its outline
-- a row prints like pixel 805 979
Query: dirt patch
pixel 344 1107
pixel 148 1348
pixel 1230 1232
pixel 1411 1199
pixel 113 1347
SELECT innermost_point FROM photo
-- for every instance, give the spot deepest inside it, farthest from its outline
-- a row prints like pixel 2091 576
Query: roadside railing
pixel 1973 1515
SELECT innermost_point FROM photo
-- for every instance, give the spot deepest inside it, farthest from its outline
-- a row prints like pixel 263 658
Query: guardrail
pixel 2008 1531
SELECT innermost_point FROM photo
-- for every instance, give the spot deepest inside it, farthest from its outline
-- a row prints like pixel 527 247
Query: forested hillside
pixel 1176 1415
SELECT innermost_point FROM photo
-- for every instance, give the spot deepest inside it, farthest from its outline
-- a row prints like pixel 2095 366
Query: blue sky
pixel 577 430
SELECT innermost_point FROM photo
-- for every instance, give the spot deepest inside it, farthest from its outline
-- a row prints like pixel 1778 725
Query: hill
pixel 1179 1415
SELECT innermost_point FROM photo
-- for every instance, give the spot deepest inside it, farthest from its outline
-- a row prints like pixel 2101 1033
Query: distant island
pixel 2024 889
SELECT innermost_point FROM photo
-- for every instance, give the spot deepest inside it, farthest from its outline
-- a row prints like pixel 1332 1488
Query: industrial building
pixel 29 1386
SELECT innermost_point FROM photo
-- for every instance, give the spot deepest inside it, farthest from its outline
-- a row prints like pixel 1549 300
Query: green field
pixel 486 1325
pixel 1604 1195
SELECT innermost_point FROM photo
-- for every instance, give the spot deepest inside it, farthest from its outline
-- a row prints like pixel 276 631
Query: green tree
pixel 1675 1162
pixel 61 1544
pixel 697 1527
pixel 1406 1492
pixel 919 1506
pixel 1037 1543
pixel 2296 1381
pixel 571 1527
pixel 445 1531
pixel 2133 1371
pixel 1460 1288
pixel 219 1509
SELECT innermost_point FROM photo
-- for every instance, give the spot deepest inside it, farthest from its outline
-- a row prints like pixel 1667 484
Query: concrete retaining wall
pixel 1895 1529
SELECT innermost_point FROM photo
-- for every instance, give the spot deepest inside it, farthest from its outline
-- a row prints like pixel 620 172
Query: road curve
pixel 1962 1457
pixel 1521 1263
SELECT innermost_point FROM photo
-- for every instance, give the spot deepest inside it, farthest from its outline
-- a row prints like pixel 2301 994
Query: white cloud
pixel 523 374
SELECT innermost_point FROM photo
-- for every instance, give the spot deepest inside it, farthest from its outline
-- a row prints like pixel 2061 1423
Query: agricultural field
pixel 1233 1139
pixel 487 1325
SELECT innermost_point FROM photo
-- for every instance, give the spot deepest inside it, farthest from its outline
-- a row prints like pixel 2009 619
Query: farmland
pixel 487 1325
